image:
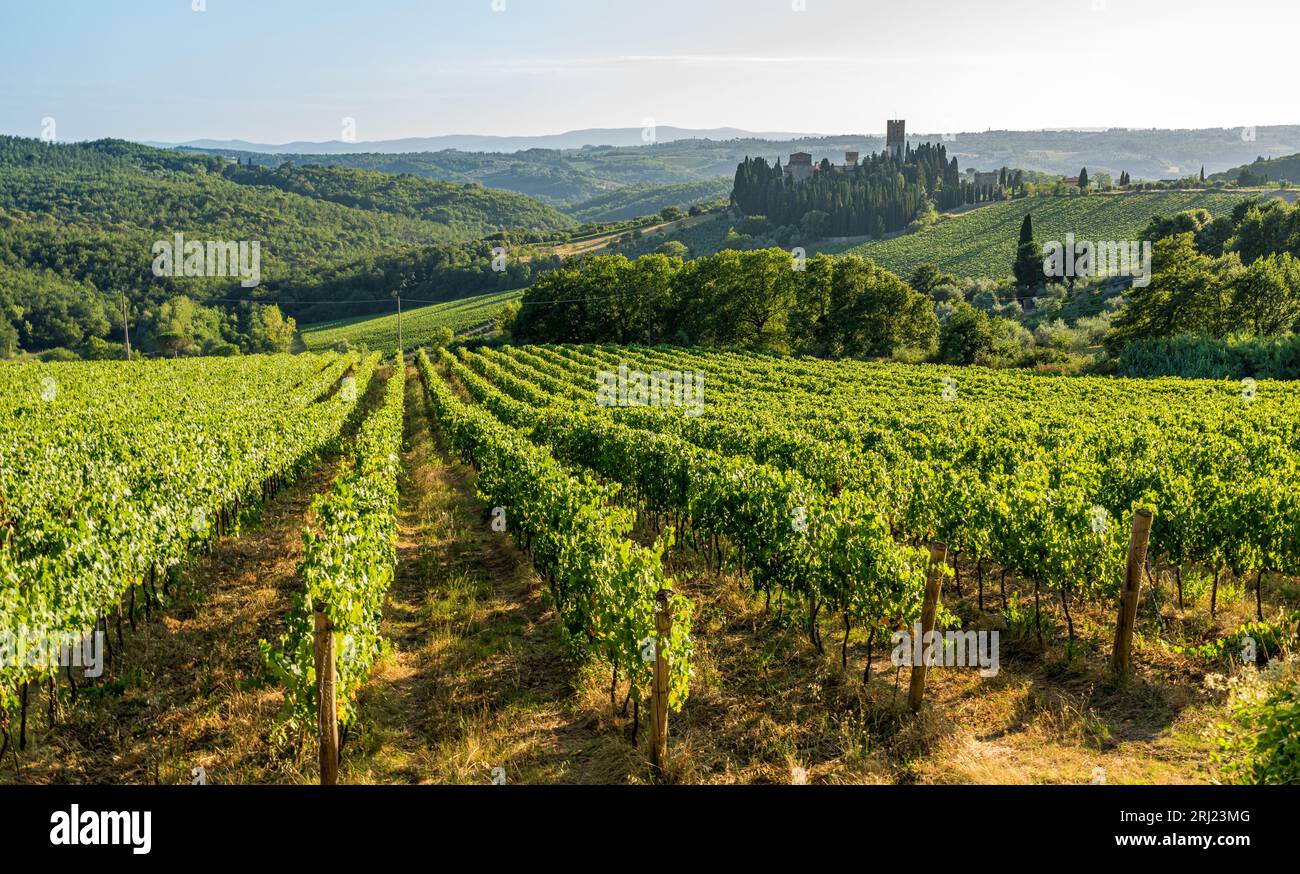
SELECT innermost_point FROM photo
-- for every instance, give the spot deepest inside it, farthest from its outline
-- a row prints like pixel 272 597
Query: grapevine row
pixel 349 559
pixel 114 473
pixel 604 587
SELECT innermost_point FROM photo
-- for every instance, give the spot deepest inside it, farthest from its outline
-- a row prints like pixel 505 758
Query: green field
pixel 639 200
pixel 418 325
pixel 983 242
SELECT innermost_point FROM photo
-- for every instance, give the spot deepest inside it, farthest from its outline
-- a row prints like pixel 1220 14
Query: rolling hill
pixel 639 200
pixel 418 325
pixel 982 243
pixel 566 177
pixel 576 139
pixel 1286 169
pixel 112 182
pixel 78 225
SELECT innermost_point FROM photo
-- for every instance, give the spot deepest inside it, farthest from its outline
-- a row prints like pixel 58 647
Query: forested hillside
pixel 78 226
pixel 560 178
pixel 115 182
pixel 639 200
pixel 1264 170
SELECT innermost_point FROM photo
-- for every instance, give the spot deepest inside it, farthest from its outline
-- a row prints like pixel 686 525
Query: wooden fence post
pixel 1121 657
pixel 933 583
pixel 659 688
pixel 327 717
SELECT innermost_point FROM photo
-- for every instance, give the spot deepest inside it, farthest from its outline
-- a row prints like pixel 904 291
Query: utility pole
pixel 399 321
pixel 126 329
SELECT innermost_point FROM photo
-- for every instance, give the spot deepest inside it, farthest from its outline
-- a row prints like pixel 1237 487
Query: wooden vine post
pixel 929 607
pixel 659 687
pixel 327 717
pixel 1121 657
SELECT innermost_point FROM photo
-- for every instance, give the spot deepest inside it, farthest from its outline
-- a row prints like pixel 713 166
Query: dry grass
pixel 766 707
pixel 477 677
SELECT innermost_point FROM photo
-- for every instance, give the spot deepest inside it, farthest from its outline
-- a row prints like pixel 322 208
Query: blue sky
pixel 281 70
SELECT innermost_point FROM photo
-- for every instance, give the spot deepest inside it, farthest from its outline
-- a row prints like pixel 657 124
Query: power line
pixel 394 301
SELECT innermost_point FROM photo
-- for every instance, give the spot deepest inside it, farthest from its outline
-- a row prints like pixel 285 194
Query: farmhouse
pixel 983 180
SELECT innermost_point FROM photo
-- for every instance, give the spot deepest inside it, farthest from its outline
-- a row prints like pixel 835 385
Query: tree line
pixel 764 300
pixel 1229 277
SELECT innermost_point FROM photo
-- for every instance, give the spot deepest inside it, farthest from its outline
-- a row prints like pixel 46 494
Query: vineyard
pixel 419 324
pixel 983 241
pixel 111 474
pixel 818 484
pixel 725 546
pixel 1032 475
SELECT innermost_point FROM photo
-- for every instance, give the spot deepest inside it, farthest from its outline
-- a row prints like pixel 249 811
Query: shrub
pixel 1197 356
pixel 98 349
pixel 1261 741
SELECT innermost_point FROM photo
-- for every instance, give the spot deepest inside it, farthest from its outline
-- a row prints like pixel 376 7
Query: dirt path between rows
pixel 477 679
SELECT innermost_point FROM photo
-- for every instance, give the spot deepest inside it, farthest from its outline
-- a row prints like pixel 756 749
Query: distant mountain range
pixel 622 136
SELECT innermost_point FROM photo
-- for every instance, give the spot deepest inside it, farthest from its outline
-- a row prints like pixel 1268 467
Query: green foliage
pixel 1038 474
pixel 758 300
pixel 638 200
pixel 78 223
pixel 879 195
pixel 831 549
pixel 1203 357
pixel 466 211
pixel 1260 744
pixel 1263 170
pixel 349 558
pixel 1269 640
pixel 706 236
pixel 1265 228
pixel 1195 293
pixel 1028 266
pixel 604 587
pixel 161 451
pixel 971 336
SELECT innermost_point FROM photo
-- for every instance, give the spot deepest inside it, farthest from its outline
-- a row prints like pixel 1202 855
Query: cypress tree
pixel 1028 267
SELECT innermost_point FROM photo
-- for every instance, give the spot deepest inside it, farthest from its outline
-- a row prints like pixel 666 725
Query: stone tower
pixel 896 137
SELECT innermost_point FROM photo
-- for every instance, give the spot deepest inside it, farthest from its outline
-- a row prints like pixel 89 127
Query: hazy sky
pixel 281 70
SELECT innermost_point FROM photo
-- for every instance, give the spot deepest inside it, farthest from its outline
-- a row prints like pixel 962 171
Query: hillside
pixel 418 325
pixel 559 178
pixel 566 177
pixel 639 200
pixel 1286 169
pixel 293 210
pixel 78 225
pixel 467 210
pixel 982 242
pixel 575 139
